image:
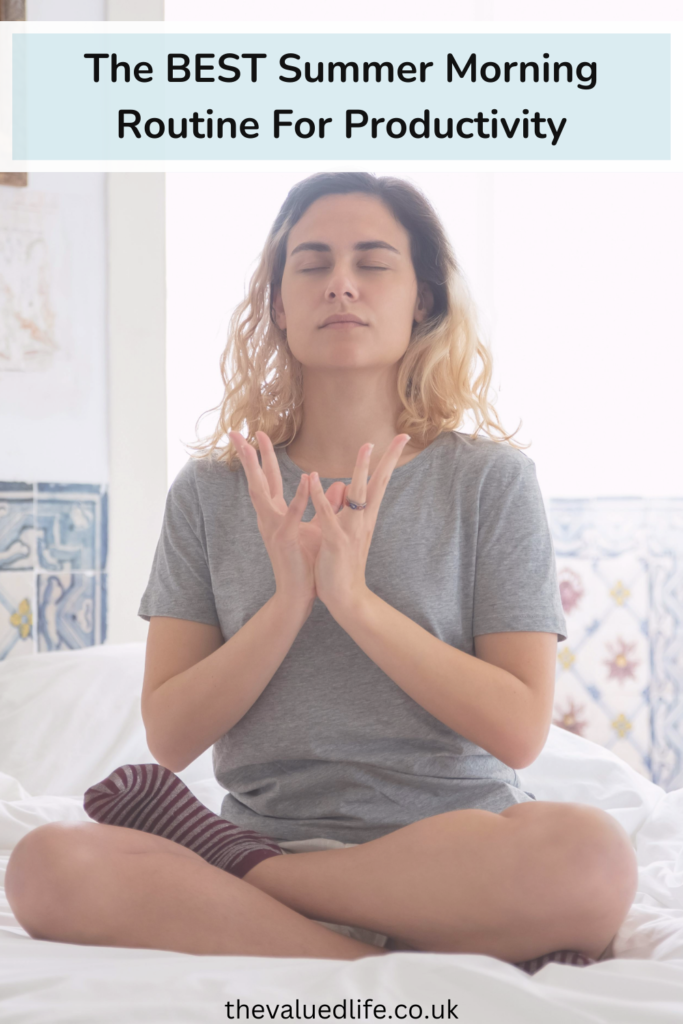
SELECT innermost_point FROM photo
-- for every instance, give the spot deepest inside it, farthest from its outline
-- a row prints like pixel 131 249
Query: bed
pixel 68 718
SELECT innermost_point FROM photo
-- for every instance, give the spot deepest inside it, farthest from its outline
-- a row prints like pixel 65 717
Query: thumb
pixel 335 494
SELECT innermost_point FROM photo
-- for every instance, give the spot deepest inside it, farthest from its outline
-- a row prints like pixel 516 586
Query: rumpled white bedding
pixel 67 719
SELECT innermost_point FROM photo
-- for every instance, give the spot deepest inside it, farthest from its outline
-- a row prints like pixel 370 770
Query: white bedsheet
pixel 41 981
pixel 44 981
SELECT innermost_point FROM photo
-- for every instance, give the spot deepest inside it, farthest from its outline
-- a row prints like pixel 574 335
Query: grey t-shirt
pixel 333 747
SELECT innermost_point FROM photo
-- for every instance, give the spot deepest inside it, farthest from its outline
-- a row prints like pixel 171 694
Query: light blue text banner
pixel 347 96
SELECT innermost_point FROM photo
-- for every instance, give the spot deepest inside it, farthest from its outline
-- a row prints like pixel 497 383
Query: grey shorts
pixel 313 846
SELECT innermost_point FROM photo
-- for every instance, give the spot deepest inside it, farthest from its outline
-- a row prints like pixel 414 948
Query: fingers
pixel 265 481
pixel 357 489
pixel 335 496
pixel 259 490
pixel 324 511
pixel 246 454
pixel 270 465
pixel 266 488
pixel 382 473
pixel 360 490
pixel 297 505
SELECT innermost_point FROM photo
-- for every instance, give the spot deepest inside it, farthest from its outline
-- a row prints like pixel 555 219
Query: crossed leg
pixel 104 885
pixel 536 878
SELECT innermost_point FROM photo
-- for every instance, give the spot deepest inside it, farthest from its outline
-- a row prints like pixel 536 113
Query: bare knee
pixel 55 867
pixel 42 870
pixel 606 859
pixel 586 861
pixel 599 851
pixel 38 854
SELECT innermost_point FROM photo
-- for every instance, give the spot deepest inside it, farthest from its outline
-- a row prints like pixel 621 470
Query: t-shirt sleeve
pixel 180 581
pixel 516 588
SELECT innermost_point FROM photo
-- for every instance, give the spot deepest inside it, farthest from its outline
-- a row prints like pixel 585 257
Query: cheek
pixel 399 305
pixel 301 288
pixel 293 300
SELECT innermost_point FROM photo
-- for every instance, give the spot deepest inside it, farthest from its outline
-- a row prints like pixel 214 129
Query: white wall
pixel 588 334
pixel 137 390
pixel 94 10
pixel 65 10
pixel 215 226
pixel 135 10
pixel 109 422
pixel 578 278
pixel 137 376
pixel 429 10
pixel 53 421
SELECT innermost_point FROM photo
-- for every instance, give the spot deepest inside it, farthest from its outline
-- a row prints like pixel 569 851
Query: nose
pixel 341 284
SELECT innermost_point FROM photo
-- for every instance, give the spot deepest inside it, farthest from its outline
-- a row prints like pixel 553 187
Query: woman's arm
pixel 501 699
pixel 197 686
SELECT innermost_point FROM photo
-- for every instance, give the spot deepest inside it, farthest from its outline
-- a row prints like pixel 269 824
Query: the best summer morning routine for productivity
pixel 228 68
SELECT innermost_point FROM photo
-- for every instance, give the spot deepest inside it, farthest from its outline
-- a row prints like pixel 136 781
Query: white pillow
pixel 571 769
pixel 68 718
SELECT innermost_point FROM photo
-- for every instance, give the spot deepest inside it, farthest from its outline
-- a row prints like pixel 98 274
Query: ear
pixel 279 310
pixel 424 302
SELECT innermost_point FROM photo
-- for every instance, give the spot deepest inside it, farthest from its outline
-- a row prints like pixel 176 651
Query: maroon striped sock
pixel 152 799
pixel 562 956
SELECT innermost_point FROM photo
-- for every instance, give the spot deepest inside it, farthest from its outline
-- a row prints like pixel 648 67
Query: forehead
pixel 343 220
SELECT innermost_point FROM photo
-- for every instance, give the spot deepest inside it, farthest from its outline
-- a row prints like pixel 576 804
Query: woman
pixel 390 651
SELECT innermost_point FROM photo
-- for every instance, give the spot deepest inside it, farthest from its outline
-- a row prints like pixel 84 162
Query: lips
pixel 343 318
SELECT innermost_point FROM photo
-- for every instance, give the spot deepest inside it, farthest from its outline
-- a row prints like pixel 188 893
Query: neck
pixel 342 411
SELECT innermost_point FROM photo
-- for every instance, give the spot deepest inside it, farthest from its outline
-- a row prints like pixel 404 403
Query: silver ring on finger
pixel 357 506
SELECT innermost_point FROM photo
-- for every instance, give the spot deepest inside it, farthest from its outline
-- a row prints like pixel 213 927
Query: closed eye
pixel 308 270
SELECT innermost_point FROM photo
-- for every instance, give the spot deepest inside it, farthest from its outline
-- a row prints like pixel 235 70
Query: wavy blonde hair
pixel 444 373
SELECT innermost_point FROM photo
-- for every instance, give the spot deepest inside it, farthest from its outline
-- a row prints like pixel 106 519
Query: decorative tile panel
pixel 53 556
pixel 71 524
pixel 620 671
pixel 17 614
pixel 71 610
pixel 17 534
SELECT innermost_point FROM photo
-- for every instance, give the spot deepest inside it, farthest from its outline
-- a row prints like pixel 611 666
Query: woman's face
pixel 349 295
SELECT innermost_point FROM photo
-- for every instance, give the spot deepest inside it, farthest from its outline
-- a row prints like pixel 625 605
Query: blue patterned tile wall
pixel 620 671
pixel 53 557
pixel 17 535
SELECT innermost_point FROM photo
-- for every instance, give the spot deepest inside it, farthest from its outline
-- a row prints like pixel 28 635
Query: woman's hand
pixel 340 566
pixel 292 546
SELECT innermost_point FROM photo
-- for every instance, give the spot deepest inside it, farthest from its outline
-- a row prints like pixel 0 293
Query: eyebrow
pixel 360 246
